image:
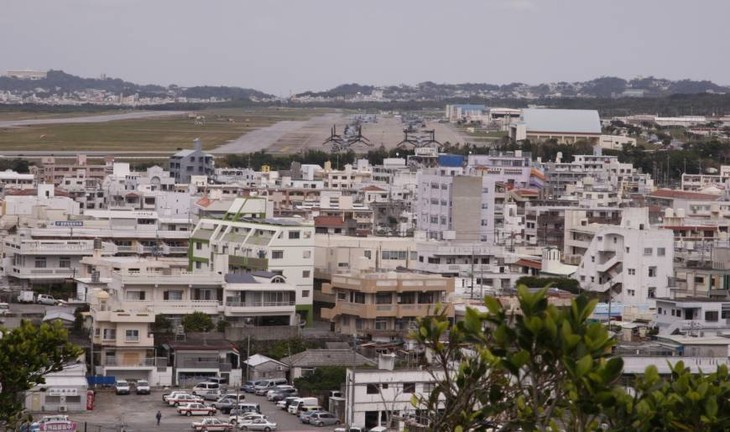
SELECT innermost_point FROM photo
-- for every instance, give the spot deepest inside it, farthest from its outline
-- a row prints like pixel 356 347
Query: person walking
pixel 159 417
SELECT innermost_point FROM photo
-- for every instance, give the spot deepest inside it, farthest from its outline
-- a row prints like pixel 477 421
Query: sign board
pixel 425 152
pixel 68 223
pixel 59 426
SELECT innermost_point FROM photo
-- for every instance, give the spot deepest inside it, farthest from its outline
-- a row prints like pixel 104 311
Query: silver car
pixel 323 419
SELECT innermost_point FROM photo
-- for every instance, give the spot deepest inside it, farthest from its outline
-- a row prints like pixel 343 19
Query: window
pixel 632 292
pixel 306 273
pixel 135 295
pixel 293 235
pixel 428 387
pixel 711 316
pixel 661 251
pixel 307 254
pixel 359 298
pixel 651 292
pixel 632 272
pixel 381 324
pixel 647 251
pixel 132 335
pixel 110 333
pixel 172 295
pixel 305 293
pixel 652 271
pixel 342 296
pixel 64 262
pixel 198 265
pixel 383 298
pixel 409 387
pixel 40 262
pixel 277 254
pixel 198 245
pixel 628 249
pixel 372 389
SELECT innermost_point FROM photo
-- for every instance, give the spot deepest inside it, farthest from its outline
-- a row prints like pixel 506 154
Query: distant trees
pixel 545 368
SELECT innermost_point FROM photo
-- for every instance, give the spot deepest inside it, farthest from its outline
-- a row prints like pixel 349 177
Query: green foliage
pixel 278 349
pixel 197 322
pixel 79 317
pixel 320 381
pixel 221 325
pixel 16 164
pixel 526 371
pixel 162 324
pixel 27 354
pixel 565 284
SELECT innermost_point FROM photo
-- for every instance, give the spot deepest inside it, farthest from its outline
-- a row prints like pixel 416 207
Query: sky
pixel 283 47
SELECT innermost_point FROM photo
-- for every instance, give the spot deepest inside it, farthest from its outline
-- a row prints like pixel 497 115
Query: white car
pixel 142 387
pixel 245 418
pixel 121 387
pixel 183 398
pixel 195 408
pixel 259 425
pixel 212 424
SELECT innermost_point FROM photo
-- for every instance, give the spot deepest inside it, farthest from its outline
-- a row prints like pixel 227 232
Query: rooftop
pixel 327 357
pixel 562 120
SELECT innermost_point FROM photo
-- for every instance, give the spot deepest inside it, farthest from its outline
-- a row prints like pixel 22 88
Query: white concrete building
pixel 279 245
pixel 632 262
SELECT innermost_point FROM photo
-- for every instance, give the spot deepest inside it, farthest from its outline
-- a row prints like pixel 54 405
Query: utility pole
pixel 472 271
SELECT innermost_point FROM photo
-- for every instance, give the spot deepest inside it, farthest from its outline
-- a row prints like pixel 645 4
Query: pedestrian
pixel 159 416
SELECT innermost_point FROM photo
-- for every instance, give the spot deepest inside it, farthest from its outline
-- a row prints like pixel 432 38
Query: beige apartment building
pixel 384 305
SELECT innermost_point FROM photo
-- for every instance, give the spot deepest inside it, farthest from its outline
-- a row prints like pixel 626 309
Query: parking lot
pixel 136 413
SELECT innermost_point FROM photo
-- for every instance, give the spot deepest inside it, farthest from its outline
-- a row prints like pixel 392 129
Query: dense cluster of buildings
pixel 368 249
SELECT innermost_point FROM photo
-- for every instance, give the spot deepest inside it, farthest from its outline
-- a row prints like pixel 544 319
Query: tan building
pixel 54 171
pixel 384 305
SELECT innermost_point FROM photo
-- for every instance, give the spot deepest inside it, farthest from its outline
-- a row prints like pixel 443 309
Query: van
pixel 205 386
pixel 297 404
pixel 4 309
pixel 269 384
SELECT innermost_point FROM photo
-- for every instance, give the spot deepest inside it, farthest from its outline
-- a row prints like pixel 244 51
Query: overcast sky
pixel 296 45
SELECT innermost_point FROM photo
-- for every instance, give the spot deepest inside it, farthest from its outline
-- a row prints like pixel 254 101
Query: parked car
pixel 350 429
pixel 183 398
pixel 211 424
pixel 284 403
pixel 205 386
pixel 244 418
pixel 266 385
pixel 259 425
pixel 211 395
pixel 246 408
pixel 195 408
pixel 278 389
pixel 323 419
pixel 250 386
pixel 142 387
pixel 282 394
pixel 121 387
pixel 225 404
pixel 306 413
pixel 4 309
pixel 297 404
pixel 46 299
pixel 167 396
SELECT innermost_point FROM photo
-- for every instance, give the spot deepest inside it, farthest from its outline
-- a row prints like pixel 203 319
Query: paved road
pixel 103 118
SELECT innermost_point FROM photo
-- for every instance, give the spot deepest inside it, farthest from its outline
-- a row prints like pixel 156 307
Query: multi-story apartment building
pixel 52 171
pixel 514 169
pixel 187 163
pixel 347 178
pixel 278 245
pixel 455 206
pixel 632 262
pixel 607 170
pixel 384 305
pixel 577 227
pixel 356 215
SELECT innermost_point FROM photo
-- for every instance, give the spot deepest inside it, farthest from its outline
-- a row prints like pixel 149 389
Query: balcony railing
pixel 260 303
pixel 203 364
pixel 117 362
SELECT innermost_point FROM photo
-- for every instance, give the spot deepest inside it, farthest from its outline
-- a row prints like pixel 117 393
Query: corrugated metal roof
pixel 562 120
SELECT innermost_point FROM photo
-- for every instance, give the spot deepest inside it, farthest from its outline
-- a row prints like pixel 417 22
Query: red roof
pixel 671 193
pixel 328 221
pixel 33 192
pixel 529 263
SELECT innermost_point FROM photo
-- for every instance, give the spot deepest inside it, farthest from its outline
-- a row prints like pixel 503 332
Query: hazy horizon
pixel 280 47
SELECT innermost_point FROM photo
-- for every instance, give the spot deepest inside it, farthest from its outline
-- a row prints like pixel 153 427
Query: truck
pixel 26 297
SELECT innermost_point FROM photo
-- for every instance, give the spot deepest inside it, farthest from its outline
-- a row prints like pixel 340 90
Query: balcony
pixel 259 307
pixel 122 316
pixel 377 284
pixel 181 307
pixel 374 311
pixel 183 278
pixel 45 273
pixel 62 247
pixel 123 363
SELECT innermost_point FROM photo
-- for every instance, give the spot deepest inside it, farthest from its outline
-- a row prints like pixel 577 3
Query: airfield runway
pixel 294 136
pixel 102 118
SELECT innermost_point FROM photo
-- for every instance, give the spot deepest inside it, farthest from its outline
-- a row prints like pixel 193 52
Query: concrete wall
pixel 466 207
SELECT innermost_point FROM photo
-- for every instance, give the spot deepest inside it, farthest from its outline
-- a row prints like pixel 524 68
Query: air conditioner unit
pixel 62 409
pixel 280 368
